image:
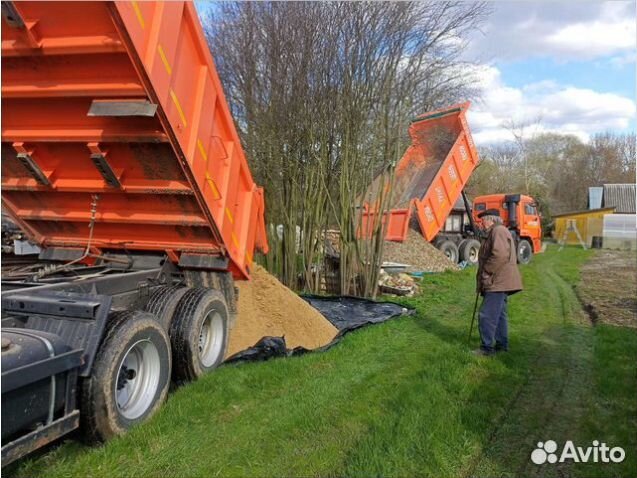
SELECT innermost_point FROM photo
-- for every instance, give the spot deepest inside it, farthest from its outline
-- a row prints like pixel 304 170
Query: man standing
pixel 498 277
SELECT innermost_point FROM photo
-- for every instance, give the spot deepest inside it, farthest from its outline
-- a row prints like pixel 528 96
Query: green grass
pixel 404 398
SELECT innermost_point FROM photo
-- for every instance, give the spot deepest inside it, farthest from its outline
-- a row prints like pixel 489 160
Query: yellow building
pixel 589 223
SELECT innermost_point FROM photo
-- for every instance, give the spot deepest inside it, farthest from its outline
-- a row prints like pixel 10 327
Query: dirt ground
pixel 608 287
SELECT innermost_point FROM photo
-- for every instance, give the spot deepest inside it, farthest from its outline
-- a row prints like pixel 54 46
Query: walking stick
pixel 473 317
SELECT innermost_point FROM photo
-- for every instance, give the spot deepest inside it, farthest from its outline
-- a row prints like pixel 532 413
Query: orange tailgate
pixel 122 100
pixel 431 174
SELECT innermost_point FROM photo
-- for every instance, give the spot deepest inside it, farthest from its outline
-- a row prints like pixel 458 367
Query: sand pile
pixel 267 307
pixel 418 253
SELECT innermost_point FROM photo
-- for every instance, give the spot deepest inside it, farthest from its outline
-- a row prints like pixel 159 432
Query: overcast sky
pixel 569 64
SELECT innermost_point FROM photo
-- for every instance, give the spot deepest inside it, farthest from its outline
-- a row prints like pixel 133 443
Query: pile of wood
pixel 397 284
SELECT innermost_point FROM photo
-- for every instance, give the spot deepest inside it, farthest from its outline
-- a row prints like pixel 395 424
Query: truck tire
pixel 438 241
pixel 525 252
pixel 216 280
pixel 130 376
pixel 199 333
pixel 469 249
pixel 163 302
pixel 450 250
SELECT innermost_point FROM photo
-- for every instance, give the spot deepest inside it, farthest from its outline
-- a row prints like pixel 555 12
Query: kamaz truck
pixel 121 161
pixel 427 192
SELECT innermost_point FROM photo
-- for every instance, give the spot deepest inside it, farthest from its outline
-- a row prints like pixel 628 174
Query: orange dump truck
pixel 427 192
pixel 120 159
pixel 427 183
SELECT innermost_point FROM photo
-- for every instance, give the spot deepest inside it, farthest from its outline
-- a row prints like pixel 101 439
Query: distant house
pixel 595 195
pixel 620 228
pixel 615 205
pixel 618 196
pixel 589 223
pixel 621 197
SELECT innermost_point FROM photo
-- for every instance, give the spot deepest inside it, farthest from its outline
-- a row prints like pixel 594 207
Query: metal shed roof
pixel 621 197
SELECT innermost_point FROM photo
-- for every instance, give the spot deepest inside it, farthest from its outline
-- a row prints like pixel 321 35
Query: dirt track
pixel 607 289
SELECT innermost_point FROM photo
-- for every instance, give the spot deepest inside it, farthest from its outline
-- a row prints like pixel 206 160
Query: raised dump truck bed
pixel 113 115
pixel 121 160
pixel 430 176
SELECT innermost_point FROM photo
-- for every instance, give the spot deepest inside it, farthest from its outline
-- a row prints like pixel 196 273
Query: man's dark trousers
pixel 493 322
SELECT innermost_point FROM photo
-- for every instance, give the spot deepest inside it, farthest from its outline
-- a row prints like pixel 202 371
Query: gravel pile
pixel 418 253
pixel 268 308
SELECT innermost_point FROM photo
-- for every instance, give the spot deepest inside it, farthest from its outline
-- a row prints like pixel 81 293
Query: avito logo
pixel 547 452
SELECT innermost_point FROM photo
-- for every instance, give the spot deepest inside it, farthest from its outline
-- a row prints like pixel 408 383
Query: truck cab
pixel 520 214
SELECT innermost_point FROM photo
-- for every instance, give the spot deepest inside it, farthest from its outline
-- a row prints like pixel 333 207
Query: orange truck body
pixel 430 176
pixel 122 100
pixel 526 220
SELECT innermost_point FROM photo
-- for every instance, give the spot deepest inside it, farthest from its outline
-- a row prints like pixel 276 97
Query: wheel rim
pixel 473 254
pixel 138 379
pixel 211 338
pixel 525 252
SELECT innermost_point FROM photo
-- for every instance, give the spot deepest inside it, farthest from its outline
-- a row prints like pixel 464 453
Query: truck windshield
pixel 530 210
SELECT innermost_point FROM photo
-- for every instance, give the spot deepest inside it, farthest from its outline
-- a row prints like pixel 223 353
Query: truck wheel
pixel 469 249
pixel 130 376
pixel 525 252
pixel 199 333
pixel 450 250
pixel 438 241
pixel 163 302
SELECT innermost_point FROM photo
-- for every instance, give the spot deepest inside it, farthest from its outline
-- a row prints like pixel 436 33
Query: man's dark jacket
pixel 497 263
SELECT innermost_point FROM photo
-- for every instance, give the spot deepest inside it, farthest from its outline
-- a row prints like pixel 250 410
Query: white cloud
pixel 593 39
pixel 564 31
pixel 618 62
pixel 547 106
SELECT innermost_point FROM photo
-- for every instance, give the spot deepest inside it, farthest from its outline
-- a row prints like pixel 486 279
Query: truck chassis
pixel 73 307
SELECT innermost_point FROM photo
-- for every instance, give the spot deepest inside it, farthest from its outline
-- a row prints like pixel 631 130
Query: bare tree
pixel 522 131
pixel 322 94
pixel 558 168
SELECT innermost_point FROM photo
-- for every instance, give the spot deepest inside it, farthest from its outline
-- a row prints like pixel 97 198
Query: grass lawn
pixel 404 398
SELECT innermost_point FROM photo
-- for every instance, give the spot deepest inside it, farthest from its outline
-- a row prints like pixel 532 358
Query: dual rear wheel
pixel 449 249
pixel 183 334
pixel 198 333
pixel 467 250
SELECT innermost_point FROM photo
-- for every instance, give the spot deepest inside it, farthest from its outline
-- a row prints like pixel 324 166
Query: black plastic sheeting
pixel 345 313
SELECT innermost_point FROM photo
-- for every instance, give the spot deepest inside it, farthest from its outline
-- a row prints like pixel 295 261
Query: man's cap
pixel 489 212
